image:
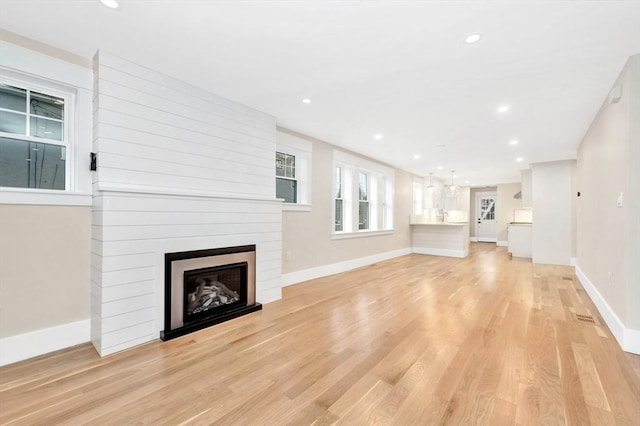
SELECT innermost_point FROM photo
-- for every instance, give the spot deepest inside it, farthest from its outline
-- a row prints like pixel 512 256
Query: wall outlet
pixel 610 282
pixel 620 200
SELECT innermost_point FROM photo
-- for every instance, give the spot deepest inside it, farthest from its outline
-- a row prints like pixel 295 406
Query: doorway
pixel 486 227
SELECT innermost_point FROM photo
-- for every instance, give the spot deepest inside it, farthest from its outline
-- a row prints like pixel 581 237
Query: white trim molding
pixel 473 239
pixel 502 243
pixel 39 342
pixel 335 268
pixel 441 252
pixel 629 339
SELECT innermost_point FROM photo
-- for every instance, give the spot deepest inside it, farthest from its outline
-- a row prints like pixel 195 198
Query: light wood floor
pixel 414 340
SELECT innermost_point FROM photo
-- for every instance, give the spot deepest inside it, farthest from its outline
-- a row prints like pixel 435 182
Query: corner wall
pixel 306 235
pixel 506 204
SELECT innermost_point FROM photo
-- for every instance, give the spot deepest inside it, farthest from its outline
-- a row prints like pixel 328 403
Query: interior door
pixel 486 228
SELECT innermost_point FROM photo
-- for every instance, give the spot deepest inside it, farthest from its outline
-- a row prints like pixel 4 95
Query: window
pixel 363 201
pixel 293 171
pixel 33 138
pixel 286 184
pixel 338 211
pixel 363 196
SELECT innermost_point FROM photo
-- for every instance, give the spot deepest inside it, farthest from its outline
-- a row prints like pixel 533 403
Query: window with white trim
pixel 34 137
pixel 363 196
pixel 286 183
pixel 338 218
pixel 293 171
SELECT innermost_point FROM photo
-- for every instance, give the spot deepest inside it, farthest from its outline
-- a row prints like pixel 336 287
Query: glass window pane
pixel 13 123
pixel 363 215
pixel 47 129
pixel 338 221
pixel 47 106
pixel 290 166
pixel 363 190
pixel 338 182
pixel 31 164
pixel 13 98
pixel 279 164
pixel 287 189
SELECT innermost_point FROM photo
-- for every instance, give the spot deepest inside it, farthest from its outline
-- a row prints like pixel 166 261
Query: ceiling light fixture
pixel 451 190
pixel 472 38
pixel 519 159
pixel 513 142
pixel 439 167
pixel 377 136
pixel 503 108
pixel 306 101
pixel 111 4
pixel 416 156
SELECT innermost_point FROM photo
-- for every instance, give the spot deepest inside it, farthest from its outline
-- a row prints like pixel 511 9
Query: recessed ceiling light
pixel 473 184
pixel 472 38
pixel 113 4
pixel 306 101
pixel 519 159
pixel 439 167
pixel 503 108
pixel 513 142
pixel 416 156
pixel 466 181
pixel 377 136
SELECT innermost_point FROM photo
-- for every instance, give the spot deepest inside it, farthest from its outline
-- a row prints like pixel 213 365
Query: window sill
pixel 296 207
pixel 44 197
pixel 358 234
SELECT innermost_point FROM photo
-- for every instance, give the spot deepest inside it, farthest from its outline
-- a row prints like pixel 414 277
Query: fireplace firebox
pixel 207 287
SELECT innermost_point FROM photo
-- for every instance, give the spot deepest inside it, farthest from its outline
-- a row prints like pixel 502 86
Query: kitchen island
pixel 440 238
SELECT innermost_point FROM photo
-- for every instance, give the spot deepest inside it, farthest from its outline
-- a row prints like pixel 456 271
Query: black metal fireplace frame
pixel 219 317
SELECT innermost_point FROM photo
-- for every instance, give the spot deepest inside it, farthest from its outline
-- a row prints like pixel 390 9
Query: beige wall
pixel 306 235
pixel 505 205
pixel 608 235
pixel 44 266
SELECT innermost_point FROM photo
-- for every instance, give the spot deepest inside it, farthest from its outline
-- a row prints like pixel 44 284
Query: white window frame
pixel 380 184
pixel 28 69
pixel 339 182
pixel 67 121
pixel 302 150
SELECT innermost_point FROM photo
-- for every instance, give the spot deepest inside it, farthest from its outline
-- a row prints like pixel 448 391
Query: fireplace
pixel 207 287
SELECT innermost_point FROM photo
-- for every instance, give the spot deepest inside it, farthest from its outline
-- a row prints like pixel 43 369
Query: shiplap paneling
pixel 179 169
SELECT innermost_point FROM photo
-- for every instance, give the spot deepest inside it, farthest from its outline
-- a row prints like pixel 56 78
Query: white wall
pixel 551 192
pixel 608 234
pixel 178 169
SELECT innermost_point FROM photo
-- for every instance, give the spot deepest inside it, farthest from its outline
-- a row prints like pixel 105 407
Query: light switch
pixel 620 200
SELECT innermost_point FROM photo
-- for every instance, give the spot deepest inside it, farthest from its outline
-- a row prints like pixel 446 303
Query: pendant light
pixel 430 186
pixel 451 190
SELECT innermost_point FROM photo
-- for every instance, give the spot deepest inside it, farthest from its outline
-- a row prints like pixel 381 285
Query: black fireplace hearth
pixel 207 287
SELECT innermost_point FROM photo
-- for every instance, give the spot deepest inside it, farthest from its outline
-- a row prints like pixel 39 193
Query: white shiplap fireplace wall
pixel 178 169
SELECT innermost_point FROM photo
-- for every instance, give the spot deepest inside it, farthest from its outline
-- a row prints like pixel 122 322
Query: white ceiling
pixel 396 68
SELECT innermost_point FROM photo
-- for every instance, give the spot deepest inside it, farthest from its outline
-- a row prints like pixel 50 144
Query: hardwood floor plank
pixel 414 340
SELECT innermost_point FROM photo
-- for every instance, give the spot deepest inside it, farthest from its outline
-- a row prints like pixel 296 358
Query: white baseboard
pixel 629 339
pixel 335 268
pixel 573 261
pixel 441 252
pixel 473 239
pixel 502 243
pixel 39 342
